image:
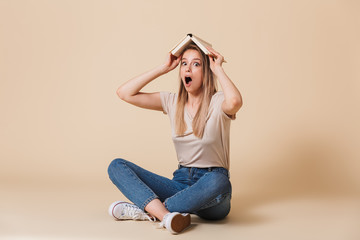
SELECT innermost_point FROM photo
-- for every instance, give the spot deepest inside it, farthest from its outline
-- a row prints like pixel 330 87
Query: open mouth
pixel 187 80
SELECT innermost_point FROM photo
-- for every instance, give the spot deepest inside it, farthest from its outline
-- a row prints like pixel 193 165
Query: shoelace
pixel 161 225
pixel 136 213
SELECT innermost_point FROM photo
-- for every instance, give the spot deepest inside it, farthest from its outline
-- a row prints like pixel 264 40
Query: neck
pixel 194 100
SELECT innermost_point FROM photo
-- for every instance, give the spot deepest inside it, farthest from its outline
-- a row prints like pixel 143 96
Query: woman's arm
pixel 130 91
pixel 233 100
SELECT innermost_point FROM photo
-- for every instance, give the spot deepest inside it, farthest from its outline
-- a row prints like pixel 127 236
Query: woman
pixel 200 120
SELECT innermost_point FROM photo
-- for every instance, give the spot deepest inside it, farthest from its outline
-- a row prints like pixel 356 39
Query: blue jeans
pixel 205 192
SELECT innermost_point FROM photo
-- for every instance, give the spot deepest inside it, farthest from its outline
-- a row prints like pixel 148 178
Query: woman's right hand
pixel 170 63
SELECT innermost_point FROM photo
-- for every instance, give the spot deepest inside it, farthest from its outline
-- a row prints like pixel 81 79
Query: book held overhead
pixel 176 51
pixel 189 38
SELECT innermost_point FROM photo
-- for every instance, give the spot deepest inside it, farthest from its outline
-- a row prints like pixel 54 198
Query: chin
pixel 193 91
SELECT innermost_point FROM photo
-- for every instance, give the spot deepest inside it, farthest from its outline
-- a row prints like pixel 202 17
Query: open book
pixel 176 51
pixel 202 44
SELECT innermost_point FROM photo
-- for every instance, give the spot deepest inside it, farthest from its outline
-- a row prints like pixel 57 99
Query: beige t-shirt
pixel 210 151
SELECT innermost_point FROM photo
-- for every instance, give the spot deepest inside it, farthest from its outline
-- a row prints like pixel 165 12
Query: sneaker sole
pixel 180 222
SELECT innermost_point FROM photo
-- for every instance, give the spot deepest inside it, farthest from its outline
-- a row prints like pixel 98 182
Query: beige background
pixel 294 146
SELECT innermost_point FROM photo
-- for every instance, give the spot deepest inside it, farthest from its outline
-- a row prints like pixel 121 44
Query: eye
pixel 196 64
pixel 183 63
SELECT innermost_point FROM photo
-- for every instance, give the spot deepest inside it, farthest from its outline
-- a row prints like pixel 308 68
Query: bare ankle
pixel 157 209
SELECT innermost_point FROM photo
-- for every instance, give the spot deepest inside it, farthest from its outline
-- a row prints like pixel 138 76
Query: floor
pixel 79 211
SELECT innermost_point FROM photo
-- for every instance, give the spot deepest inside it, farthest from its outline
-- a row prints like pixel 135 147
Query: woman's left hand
pixel 216 59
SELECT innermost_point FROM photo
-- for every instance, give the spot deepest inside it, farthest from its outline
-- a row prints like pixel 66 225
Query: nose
pixel 187 69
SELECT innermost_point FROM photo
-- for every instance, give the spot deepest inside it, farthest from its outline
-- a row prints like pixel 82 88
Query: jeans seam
pixel 153 195
pixel 165 204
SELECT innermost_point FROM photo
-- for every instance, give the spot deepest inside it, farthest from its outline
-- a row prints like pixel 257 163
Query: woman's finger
pixel 216 54
pixel 211 51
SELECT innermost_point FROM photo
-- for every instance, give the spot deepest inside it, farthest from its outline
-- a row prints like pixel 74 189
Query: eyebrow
pixel 193 59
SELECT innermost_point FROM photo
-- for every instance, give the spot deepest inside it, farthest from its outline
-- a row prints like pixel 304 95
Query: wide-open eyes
pixel 196 64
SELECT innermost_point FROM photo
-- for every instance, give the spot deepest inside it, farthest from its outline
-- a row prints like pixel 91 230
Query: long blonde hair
pixel 209 88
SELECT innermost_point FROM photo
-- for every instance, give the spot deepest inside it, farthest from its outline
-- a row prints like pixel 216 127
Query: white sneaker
pixel 176 222
pixel 127 211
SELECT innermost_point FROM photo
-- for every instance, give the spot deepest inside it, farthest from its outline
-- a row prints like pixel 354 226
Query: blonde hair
pixel 209 88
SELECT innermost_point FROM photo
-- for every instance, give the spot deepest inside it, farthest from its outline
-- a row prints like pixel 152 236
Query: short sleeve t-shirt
pixel 210 151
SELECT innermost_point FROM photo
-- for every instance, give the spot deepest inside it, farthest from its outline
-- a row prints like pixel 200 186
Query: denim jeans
pixel 205 192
